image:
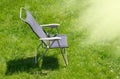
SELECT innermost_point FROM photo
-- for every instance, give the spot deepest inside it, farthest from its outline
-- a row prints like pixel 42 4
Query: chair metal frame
pixel 49 41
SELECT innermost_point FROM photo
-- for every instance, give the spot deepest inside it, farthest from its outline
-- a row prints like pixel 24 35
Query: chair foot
pixel 66 60
pixel 64 54
pixel 36 60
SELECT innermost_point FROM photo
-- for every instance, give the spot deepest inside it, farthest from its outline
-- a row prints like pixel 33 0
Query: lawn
pixel 93 51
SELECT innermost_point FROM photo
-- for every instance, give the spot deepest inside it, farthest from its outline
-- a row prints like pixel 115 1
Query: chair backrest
pixel 36 28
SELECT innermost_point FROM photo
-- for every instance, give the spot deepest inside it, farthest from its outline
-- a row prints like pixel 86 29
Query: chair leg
pixel 64 54
pixel 44 53
pixel 36 50
pixel 36 59
pixel 57 30
pixel 48 34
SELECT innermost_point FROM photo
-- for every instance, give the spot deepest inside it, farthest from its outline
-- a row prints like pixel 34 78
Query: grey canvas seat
pixel 47 42
pixel 63 42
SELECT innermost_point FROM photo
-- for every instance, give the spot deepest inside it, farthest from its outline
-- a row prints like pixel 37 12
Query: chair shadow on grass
pixel 50 63
pixel 28 65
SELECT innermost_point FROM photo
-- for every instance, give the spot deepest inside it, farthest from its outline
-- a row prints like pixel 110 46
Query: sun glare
pixel 103 19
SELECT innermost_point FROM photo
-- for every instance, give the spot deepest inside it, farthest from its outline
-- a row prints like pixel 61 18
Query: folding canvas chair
pixel 47 42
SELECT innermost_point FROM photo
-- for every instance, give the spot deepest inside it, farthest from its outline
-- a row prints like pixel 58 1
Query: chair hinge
pixel 47 46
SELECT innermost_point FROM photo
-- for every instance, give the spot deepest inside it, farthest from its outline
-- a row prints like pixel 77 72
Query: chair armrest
pixel 50 25
pixel 51 38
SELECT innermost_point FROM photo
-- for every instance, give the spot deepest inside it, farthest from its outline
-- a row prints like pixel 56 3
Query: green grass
pixel 99 60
